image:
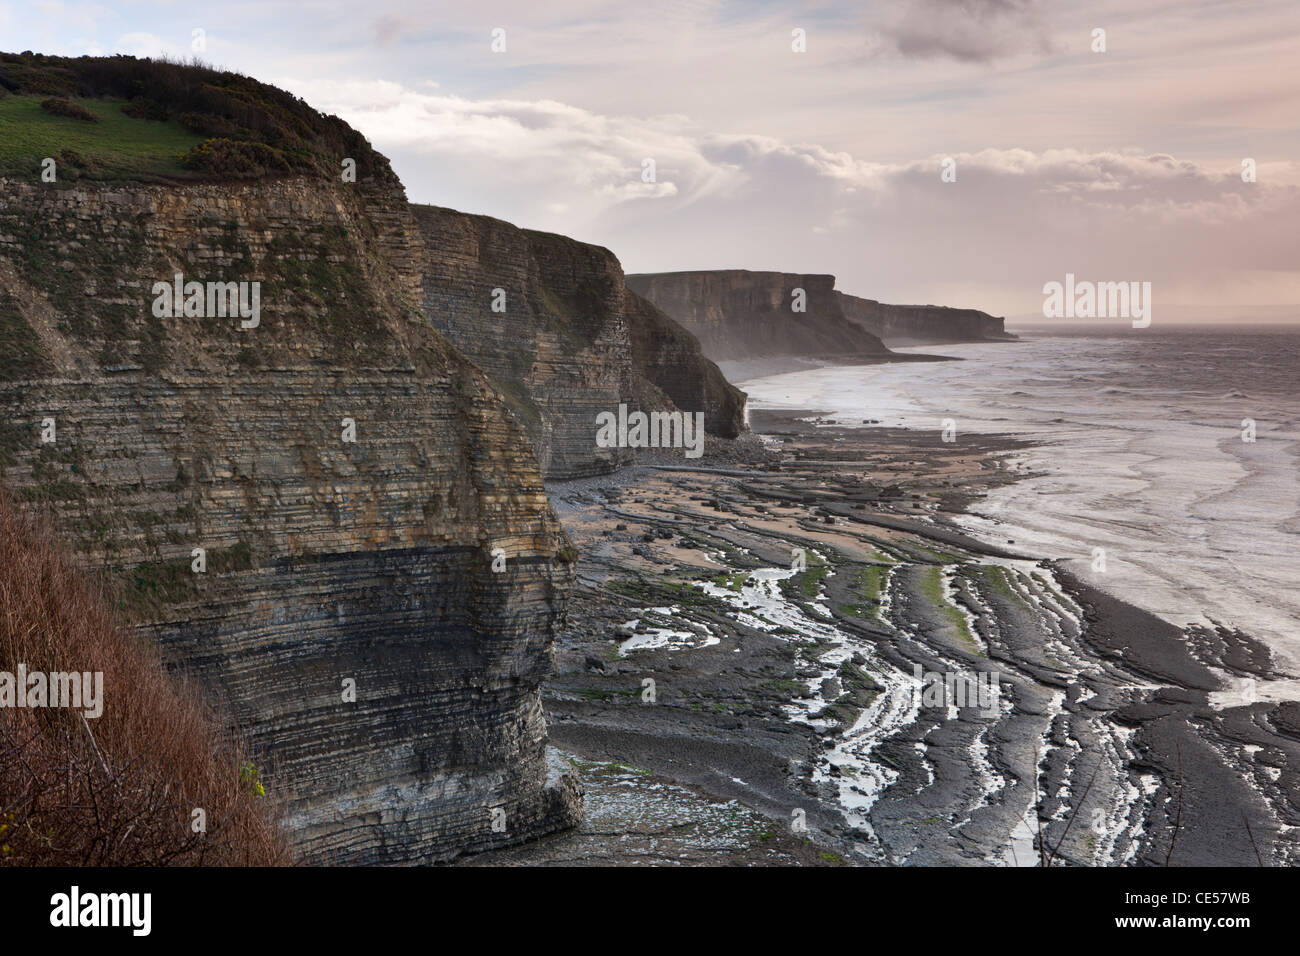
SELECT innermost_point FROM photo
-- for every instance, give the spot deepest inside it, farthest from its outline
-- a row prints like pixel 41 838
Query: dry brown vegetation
pixel 119 789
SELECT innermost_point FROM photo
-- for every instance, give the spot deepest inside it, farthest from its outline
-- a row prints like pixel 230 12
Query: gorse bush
pixel 57 106
pixel 120 789
pixel 144 108
pixel 229 159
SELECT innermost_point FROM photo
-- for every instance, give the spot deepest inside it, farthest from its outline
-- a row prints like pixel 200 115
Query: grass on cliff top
pixel 117 147
pixel 242 128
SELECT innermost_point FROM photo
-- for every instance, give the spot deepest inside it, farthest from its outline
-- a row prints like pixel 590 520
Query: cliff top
pixel 928 307
pixel 635 277
pixel 729 272
pixel 122 118
pixel 430 208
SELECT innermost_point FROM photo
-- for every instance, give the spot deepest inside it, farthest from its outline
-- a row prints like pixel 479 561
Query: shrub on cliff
pixel 228 159
pixel 146 109
pixel 57 106
pixel 120 789
pixel 74 165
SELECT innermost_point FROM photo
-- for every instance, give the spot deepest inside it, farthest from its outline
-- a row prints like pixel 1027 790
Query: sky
pixel 1122 164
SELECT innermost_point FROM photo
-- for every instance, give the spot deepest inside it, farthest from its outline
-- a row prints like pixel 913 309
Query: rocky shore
pixel 772 629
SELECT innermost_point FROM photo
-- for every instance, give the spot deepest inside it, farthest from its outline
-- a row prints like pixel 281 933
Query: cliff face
pixel 738 314
pixel 917 324
pixel 330 564
pixel 564 341
pixel 670 359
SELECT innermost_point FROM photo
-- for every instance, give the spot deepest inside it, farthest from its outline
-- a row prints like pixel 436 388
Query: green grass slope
pixel 159 119
pixel 117 147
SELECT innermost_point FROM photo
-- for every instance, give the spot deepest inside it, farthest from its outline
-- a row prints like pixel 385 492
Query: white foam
pixel 1197 525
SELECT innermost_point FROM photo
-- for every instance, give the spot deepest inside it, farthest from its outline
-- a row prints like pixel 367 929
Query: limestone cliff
pixel 328 561
pixel 738 314
pixel 549 319
pixel 920 324
pixel 670 358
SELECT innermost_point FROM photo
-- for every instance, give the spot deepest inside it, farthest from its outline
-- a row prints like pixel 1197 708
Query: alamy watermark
pixel 129 910
pixel 653 430
pixel 215 300
pixel 79 690
pixel 951 690
pixel 1098 300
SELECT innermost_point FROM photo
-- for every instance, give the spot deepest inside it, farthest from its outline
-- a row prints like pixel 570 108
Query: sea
pixel 1175 451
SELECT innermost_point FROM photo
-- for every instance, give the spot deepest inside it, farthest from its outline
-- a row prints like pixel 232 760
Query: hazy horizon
pixel 1122 165
pixel 1239 323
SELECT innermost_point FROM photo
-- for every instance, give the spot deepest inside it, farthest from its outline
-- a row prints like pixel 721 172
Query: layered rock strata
pixel 919 324
pixel 670 359
pixel 349 617
pixel 549 319
pixel 737 314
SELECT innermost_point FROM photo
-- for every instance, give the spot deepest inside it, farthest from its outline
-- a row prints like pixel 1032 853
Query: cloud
pixel 558 153
pixel 388 29
pixel 825 161
pixel 149 45
pixel 1014 218
pixel 967 30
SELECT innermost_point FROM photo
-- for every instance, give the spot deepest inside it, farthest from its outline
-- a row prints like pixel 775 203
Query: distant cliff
pixel 327 561
pixel 921 324
pixel 670 359
pixel 738 314
pixel 550 320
